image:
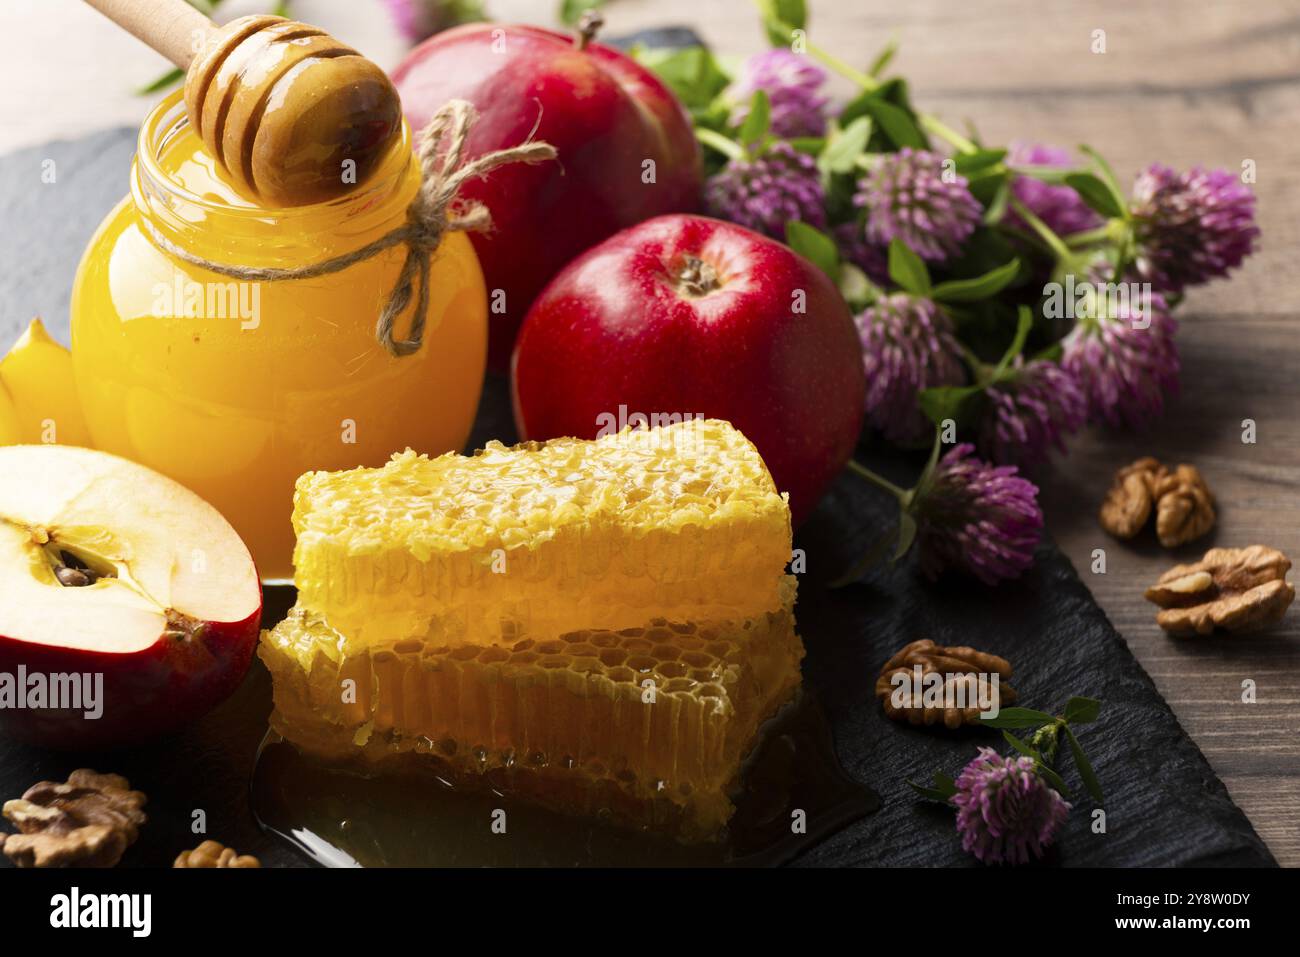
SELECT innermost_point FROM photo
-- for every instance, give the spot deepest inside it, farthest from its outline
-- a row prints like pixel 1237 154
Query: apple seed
pixel 73 572
pixel 72 577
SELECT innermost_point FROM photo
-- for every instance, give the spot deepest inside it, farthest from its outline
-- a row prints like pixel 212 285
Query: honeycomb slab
pixel 650 724
pixel 601 627
pixel 681 522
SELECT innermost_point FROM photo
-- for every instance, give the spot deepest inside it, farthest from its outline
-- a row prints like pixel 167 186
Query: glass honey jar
pixel 236 388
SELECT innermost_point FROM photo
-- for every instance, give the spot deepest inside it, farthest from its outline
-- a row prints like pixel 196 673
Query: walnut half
pixel 1184 507
pixel 967 677
pixel 1235 589
pixel 213 854
pixel 1182 502
pixel 89 821
pixel 1128 503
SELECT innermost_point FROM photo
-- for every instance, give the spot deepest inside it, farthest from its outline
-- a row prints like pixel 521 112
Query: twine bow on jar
pixel 433 213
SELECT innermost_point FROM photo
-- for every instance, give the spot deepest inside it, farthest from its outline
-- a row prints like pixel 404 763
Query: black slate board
pixel 1165 806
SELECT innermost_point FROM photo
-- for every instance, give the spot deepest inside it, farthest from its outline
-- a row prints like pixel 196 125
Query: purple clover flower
pixel 1191 227
pixel 1031 412
pixel 1125 363
pixel 1006 812
pixel 765 192
pixel 907 197
pixel 792 83
pixel 978 518
pixel 1057 205
pixel 908 344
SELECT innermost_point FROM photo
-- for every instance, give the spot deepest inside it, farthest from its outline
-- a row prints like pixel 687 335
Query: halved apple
pixel 37 371
pixel 109 569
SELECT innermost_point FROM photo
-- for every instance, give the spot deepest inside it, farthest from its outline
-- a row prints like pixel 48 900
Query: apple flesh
pixel 687 315
pixel 612 122
pixel 108 568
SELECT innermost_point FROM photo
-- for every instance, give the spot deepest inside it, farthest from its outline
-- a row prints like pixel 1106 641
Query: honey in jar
pixel 236 388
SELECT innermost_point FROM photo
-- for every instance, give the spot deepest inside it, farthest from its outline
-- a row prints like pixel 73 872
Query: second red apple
pixel 625 144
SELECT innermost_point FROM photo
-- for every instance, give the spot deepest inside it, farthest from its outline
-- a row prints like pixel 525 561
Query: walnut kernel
pixel 1184 507
pixel 89 821
pixel 1182 502
pixel 213 854
pixel 964 669
pixel 1233 589
pixel 1127 507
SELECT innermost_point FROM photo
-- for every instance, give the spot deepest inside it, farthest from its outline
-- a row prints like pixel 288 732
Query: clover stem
pixel 830 60
pixel 981 371
pixel 1090 236
pixel 903 495
pixel 712 138
pixel 932 124
pixel 1045 232
pixel 922 486
pixel 1024 236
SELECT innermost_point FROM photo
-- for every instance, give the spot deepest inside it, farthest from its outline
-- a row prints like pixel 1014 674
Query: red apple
pixel 688 315
pixel 109 569
pixel 613 123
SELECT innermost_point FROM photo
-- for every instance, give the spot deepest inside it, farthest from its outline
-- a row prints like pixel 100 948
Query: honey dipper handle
pixel 172 27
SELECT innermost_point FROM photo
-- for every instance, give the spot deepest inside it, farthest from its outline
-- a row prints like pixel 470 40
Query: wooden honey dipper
pixel 281 106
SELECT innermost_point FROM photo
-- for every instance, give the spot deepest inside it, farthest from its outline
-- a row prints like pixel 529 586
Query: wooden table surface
pixel 1184 83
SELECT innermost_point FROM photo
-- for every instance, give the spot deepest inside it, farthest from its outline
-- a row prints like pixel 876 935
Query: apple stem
pixel 588 26
pixel 697 277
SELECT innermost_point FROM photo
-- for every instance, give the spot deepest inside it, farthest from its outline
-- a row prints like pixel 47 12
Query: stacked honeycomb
pixel 597 624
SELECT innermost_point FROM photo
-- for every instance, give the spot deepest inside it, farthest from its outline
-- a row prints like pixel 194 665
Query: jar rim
pixel 169 117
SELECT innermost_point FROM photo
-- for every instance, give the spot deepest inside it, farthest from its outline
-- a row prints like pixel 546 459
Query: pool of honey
pixel 794 794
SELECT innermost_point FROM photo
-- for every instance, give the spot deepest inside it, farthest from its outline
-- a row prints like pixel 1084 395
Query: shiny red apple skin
pixel 605 115
pixel 146 694
pixel 616 329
